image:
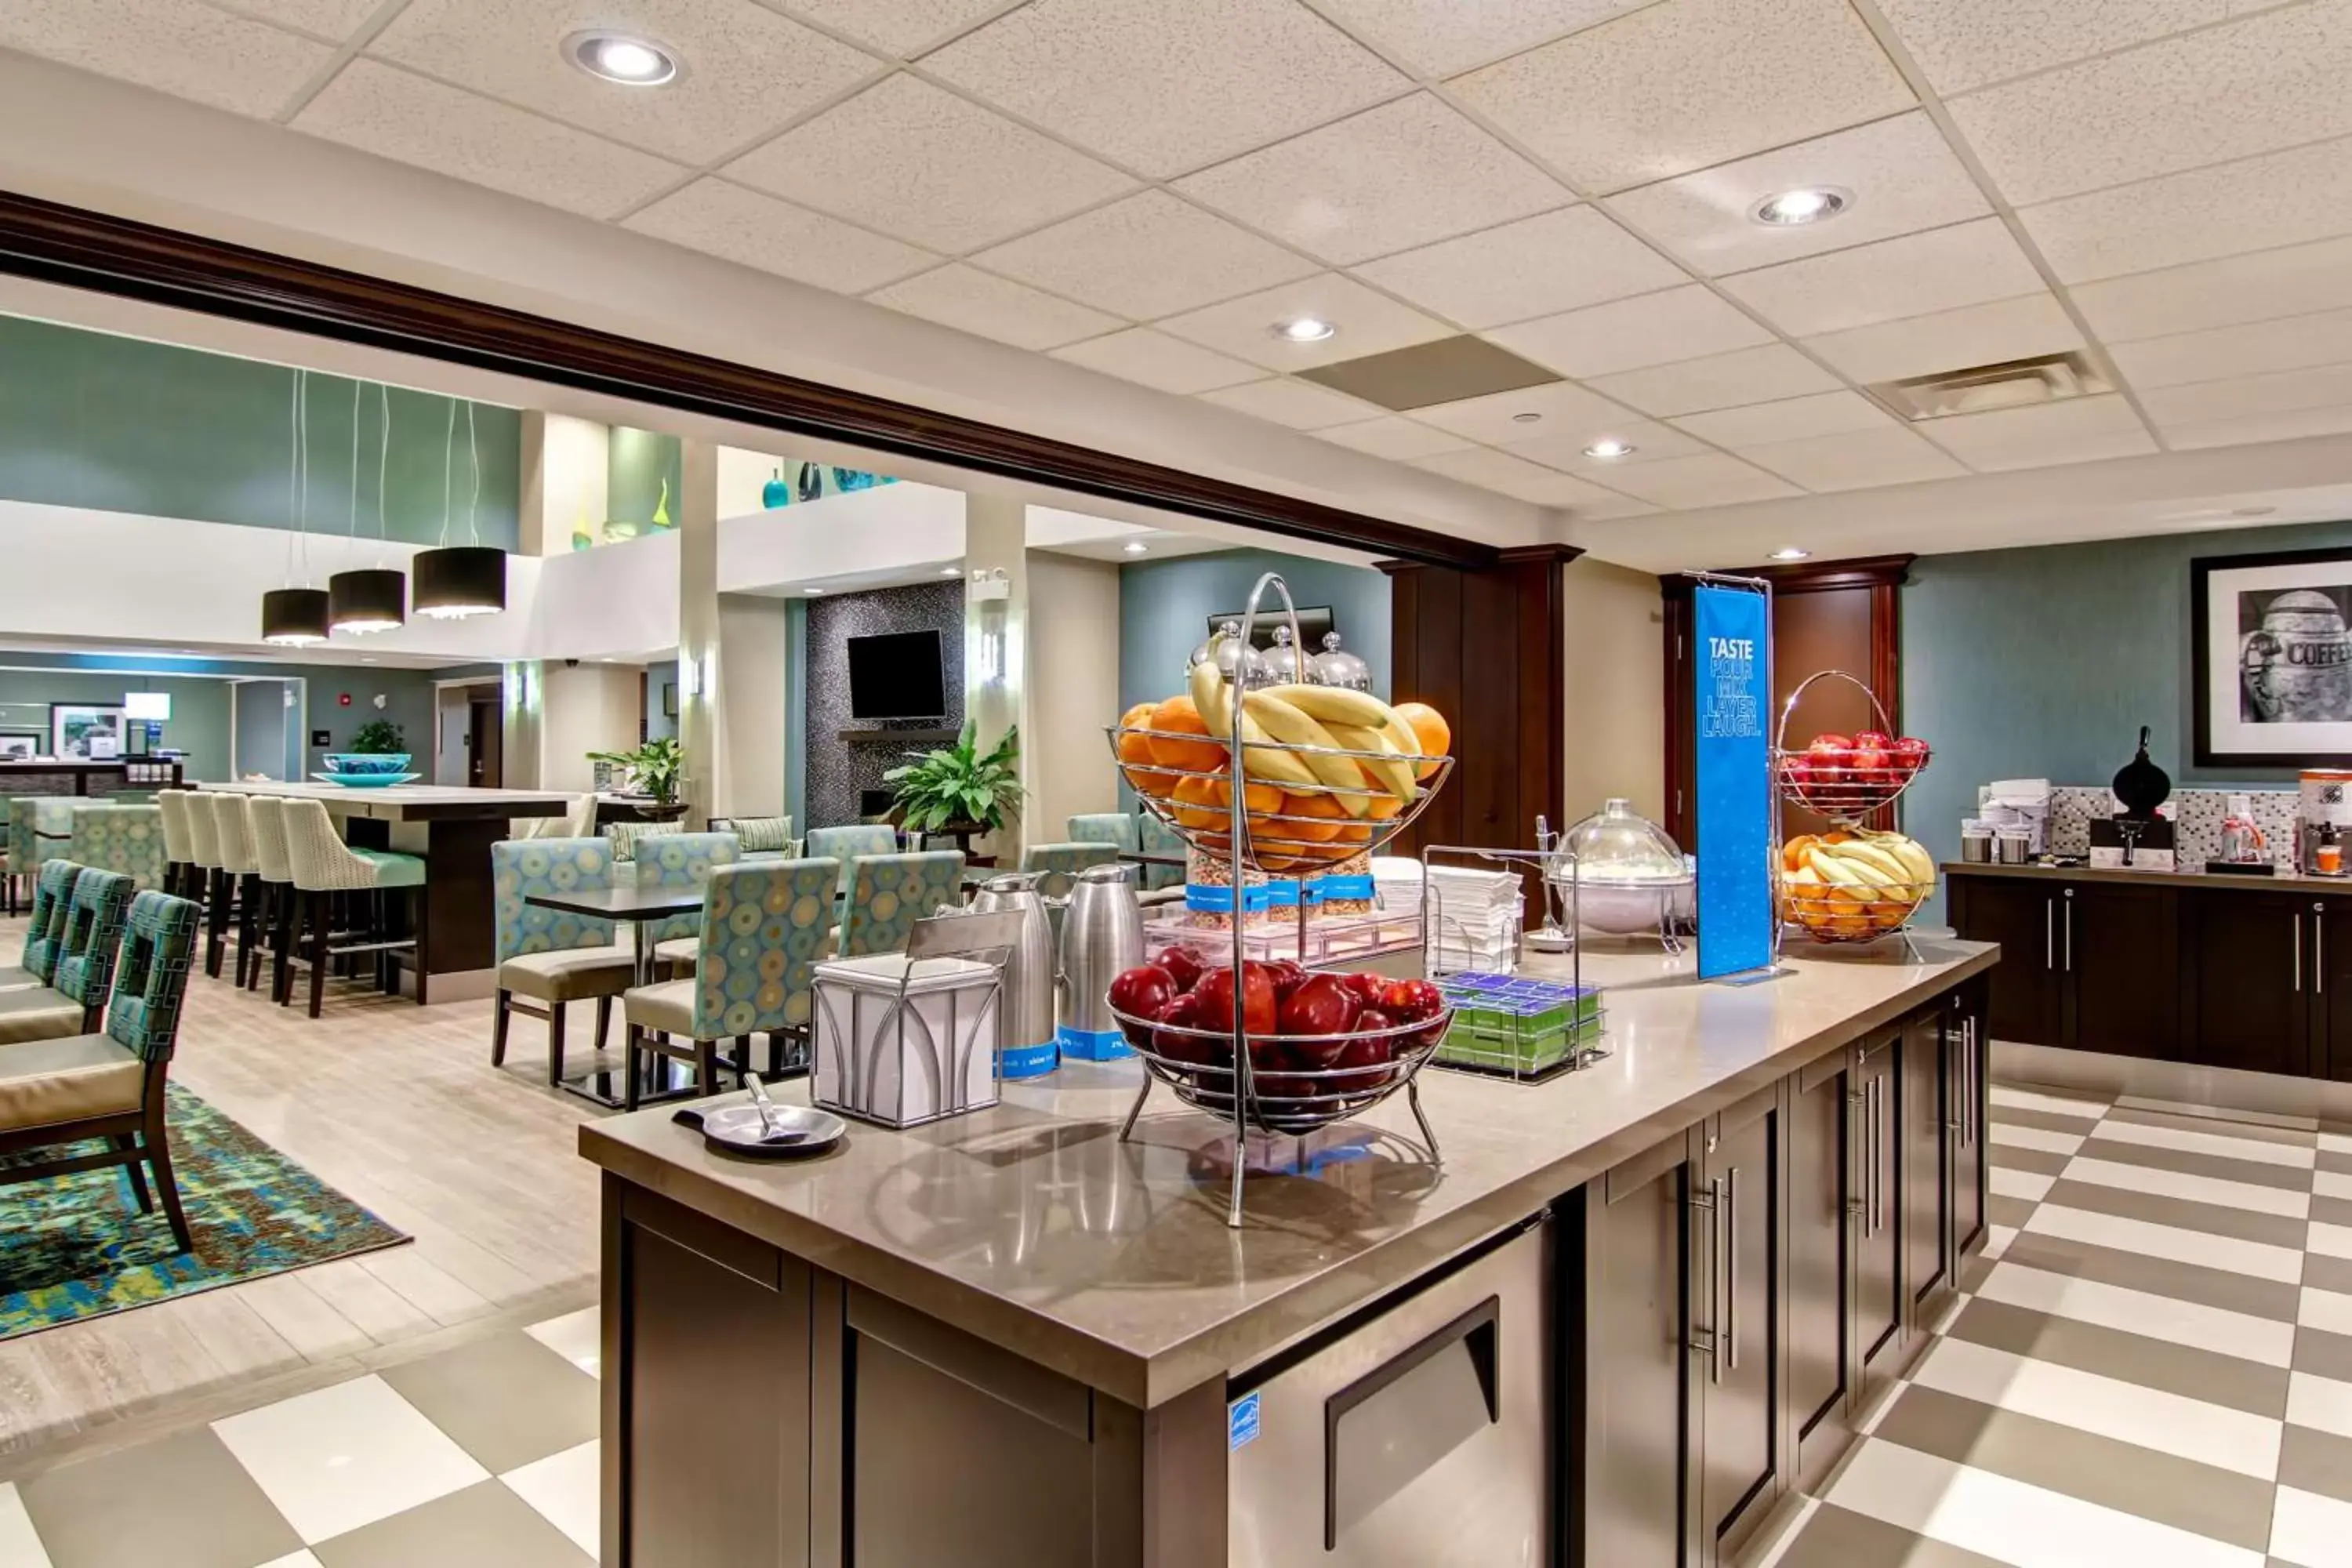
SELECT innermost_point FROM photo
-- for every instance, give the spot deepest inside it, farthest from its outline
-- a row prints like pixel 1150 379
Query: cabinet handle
pixel 1709 1340
pixel 1730 1330
pixel 2299 953
pixel 2049 933
pixel 2070 931
pixel 1969 1068
pixel 2318 952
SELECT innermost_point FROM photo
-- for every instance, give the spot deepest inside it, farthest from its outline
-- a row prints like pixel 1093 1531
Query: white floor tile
pixel 2331 1184
pixel 2202 1248
pixel 20 1545
pixel 2254 1150
pixel 1997 1240
pixel 2009 1182
pixel 2310 1529
pixel 2037 1099
pixel 2319 1402
pixel 299 1560
pixel 578 1337
pixel 2327 1309
pixel 2248 1195
pixel 2147 1417
pixel 2331 1240
pixel 2011 1521
pixel 1790 1528
pixel 2336 1143
pixel 347 1455
pixel 2239 1334
pixel 564 1489
pixel 2041 1137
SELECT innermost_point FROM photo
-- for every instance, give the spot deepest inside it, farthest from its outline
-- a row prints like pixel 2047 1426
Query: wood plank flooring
pixel 398 1107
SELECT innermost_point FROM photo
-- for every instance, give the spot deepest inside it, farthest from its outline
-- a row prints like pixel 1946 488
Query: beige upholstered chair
pixel 550 957
pixel 324 866
pixel 273 922
pixel 178 846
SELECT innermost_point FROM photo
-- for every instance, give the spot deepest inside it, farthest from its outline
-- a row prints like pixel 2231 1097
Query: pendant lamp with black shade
pixel 370 598
pixel 455 581
pixel 296 617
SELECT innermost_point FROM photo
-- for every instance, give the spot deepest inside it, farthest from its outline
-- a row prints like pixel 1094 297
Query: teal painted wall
pixel 123 425
pixel 266 729
pixel 1164 608
pixel 199 723
pixel 2045 662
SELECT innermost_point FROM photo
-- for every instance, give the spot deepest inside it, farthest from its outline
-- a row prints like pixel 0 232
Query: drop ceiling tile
pixel 1386 179
pixel 1558 410
pixel 1963 44
pixel 1790 419
pixel 1158 360
pixel 1619 506
pixel 384 109
pixel 1557 261
pixel 1687 84
pixel 335 19
pixel 993 307
pixel 2293 425
pixel 1440 37
pixel 1168 88
pixel 1507 475
pixel 2079 430
pixel 1301 404
pixel 1901 172
pixel 2295 280
pixel 2242 396
pixel 2219 351
pixel 173 45
pixel 903 27
pixel 1565 450
pixel 2282 198
pixel 1718 381
pixel 748 70
pixel 1369 323
pixel 2253 86
pixel 1710 480
pixel 1942 269
pixel 1856 460
pixel 922 163
pixel 1149 256
pixel 1395 437
pixel 2003 330
pixel 1681 323
pixel 773 236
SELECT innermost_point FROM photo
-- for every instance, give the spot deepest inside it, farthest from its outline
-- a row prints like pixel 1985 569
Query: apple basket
pixel 1844 778
pixel 1296 1083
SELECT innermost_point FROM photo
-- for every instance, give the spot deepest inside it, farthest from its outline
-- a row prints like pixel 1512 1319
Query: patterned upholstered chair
pixel 325 866
pixel 179 847
pixel 1116 828
pixel 128 839
pixel 625 836
pixel 889 893
pixel 682 860
pixel 850 845
pixel 546 956
pixel 52 898
pixel 1059 865
pixel 764 926
pixel 106 1091
pixel 75 998
pixel 1160 841
pixel 39 828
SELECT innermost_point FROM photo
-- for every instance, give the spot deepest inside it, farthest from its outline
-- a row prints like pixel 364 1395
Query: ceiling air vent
pixel 2014 383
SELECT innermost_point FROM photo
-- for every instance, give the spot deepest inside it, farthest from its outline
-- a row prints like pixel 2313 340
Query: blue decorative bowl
pixel 342 762
pixel 367 781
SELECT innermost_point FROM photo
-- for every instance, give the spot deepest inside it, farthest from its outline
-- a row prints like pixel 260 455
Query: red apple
pixel 1827 760
pixel 1831 745
pixel 1183 966
pixel 1910 754
pixel 1170 1041
pixel 1288 972
pixel 1324 1004
pixel 1870 740
pixel 1367 987
pixel 1797 778
pixel 1143 992
pixel 1412 1001
pixel 1215 991
pixel 1369 1051
pixel 1871 764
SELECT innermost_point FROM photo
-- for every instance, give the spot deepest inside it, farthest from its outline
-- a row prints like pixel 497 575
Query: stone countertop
pixel 1033 1226
pixel 2339 886
pixel 398 802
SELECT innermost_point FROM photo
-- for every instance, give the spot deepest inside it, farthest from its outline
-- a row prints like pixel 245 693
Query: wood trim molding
pixel 1812 576
pixel 79 249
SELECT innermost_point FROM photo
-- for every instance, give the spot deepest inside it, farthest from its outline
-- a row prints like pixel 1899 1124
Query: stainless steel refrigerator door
pixel 1415 1441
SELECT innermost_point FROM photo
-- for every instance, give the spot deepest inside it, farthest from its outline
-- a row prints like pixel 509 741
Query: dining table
pixel 642 910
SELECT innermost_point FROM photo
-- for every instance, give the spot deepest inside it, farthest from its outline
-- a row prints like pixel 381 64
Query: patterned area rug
pixel 76 1247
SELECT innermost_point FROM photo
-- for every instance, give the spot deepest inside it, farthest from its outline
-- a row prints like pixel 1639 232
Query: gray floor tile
pixel 2311 1461
pixel 1839 1537
pixel 2333 1211
pixel 2332 1160
pixel 2051 1120
pixel 184 1501
pixel 2040 1162
pixel 2160 1276
pixel 2227 1127
pixel 2003 1210
pixel 2327 1273
pixel 2184 1213
pixel 485 1526
pixel 2328 1355
pixel 507 1400
pixel 2287 1178
pixel 2185 1370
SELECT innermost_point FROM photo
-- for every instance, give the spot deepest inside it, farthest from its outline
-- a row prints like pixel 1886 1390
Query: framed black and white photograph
pixel 20 745
pixel 669 698
pixel 87 731
pixel 2272 656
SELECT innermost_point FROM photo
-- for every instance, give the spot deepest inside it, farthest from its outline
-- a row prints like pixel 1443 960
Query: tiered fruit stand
pixel 1850 891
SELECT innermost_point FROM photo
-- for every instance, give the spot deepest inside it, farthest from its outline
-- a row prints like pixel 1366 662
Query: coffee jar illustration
pixel 2298 665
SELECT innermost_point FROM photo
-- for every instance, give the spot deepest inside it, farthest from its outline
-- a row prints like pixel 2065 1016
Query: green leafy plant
pixel 378 737
pixel 655 766
pixel 957 786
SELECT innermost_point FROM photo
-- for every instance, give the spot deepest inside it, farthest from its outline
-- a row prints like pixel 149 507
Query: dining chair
pixel 128 839
pixel 179 853
pixel 889 893
pixel 52 898
pixel 681 860
pixel 225 841
pixel 325 866
pixel 1161 842
pixel 551 957
pixel 273 921
pixel 1058 866
pixel 849 845
pixel 75 999
pixel 627 836
pixel 109 1088
pixel 39 828
pixel 764 928
pixel 1117 828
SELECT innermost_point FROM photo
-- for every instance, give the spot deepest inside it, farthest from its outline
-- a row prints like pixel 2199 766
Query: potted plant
pixel 379 750
pixel 957 791
pixel 379 738
pixel 653 769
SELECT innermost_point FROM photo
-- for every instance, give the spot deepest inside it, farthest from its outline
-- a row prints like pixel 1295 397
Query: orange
pixel 1199 756
pixel 1325 810
pixel 1205 803
pixel 1135 750
pixel 1430 727
pixel 1384 806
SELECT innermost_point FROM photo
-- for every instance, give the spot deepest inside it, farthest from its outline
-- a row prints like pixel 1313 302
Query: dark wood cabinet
pixel 1878 1304
pixel 1823 1186
pixel 2250 976
pixel 2118 955
pixel 2332 965
pixel 2020 916
pixel 1924 1103
pixel 1740 1457
pixel 1969 1174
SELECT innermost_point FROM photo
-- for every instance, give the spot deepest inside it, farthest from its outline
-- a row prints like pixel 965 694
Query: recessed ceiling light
pixel 621 58
pixel 1807 203
pixel 1304 330
pixel 1525 416
pixel 1136 547
pixel 1609 447
pixel 1790 553
pixel 2253 510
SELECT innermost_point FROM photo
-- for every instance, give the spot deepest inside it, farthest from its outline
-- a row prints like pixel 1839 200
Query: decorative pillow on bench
pixel 625 836
pixel 762 832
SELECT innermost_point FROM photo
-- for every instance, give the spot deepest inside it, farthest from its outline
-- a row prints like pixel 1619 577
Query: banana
pixel 1337 705
pixel 1880 859
pixel 1834 871
pixel 1390 773
pixel 1208 687
pixel 1262 758
pixel 1917 863
pixel 1402 740
pixel 1293 728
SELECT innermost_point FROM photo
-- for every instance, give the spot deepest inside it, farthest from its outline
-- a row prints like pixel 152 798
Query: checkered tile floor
pixel 482 1457
pixel 2151 1365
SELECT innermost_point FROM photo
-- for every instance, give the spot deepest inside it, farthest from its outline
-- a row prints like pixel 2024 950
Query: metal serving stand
pixel 1848 798
pixel 1502 1019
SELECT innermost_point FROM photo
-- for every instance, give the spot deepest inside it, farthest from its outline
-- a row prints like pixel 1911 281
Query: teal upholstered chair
pixel 1059 865
pixel 1116 828
pixel 1160 840
pixel 39 828
pixel 106 1093
pixel 52 896
pixel 850 845
pixel 764 926
pixel 75 998
pixel 682 860
pixel 127 839
pixel 889 893
pixel 547 956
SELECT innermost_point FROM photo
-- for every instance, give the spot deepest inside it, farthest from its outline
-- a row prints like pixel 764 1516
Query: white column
pixel 700 681
pixel 996 638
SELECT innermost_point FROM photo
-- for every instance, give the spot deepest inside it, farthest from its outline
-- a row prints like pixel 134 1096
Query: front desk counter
pixel 1012 1339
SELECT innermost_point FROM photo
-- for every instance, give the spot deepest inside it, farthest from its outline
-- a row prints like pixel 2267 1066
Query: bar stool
pixel 203 851
pixel 324 865
pixel 179 855
pixel 237 886
pixel 266 816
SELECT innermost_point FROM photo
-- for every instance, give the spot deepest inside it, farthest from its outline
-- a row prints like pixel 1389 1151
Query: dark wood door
pixel 1925 1220
pixel 2332 934
pixel 2250 972
pixel 2119 963
pixel 1819 1309
pixel 1877 1141
pixel 2020 916
pixel 1740 1436
pixel 485 744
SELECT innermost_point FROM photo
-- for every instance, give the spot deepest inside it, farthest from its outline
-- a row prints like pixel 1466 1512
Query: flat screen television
pixel 897 674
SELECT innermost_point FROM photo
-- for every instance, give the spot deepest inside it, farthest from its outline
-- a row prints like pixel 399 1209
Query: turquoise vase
pixel 776 493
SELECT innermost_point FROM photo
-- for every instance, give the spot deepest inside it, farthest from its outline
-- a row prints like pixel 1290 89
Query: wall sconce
pixel 993 592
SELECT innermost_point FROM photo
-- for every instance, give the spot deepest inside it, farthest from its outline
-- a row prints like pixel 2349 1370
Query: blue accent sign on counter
pixel 1733 669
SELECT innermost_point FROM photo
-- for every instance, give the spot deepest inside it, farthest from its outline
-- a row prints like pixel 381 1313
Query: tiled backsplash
pixel 2196 817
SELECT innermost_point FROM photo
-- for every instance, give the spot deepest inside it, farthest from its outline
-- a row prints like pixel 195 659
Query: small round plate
pixel 791 1131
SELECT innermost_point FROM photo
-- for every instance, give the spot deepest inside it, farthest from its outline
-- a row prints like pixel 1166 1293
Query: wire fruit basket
pixel 1297 1082
pixel 1845 784
pixel 1849 884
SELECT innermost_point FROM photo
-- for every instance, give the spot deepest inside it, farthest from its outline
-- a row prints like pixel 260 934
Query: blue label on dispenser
pixel 1093 1044
pixel 1733 673
pixel 1336 888
pixel 1212 899
pixel 1241 1421
pixel 1027 1061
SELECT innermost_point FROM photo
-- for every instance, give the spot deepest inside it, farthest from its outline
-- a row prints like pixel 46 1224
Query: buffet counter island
pixel 1012 1338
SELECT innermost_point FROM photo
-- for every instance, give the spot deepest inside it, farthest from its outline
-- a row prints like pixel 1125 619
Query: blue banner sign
pixel 1733 669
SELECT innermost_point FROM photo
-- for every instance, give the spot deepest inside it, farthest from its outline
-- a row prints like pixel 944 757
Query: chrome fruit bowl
pixel 1844 912
pixel 1283 1090
pixel 1833 789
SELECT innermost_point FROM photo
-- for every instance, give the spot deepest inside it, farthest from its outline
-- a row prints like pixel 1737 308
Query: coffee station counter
pixel 2189 878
